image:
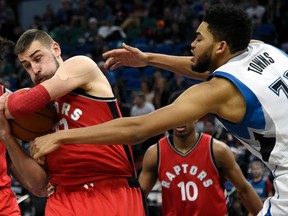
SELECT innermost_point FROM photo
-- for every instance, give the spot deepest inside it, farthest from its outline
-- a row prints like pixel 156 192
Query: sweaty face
pixel 202 48
pixel 39 61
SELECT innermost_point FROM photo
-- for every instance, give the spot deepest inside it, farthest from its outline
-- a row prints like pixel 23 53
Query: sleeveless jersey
pixel 261 75
pixel 5 180
pixel 78 164
pixel 190 181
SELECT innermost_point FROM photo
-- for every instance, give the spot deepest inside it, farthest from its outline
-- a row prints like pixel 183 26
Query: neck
pixel 185 143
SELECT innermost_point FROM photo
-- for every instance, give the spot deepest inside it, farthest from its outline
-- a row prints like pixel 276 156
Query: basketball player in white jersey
pixel 247 91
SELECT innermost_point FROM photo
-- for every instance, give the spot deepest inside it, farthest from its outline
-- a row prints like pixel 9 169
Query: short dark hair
pixel 230 24
pixel 31 35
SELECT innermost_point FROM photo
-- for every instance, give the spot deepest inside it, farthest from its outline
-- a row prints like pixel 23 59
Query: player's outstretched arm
pixel 232 172
pixel 31 174
pixel 133 57
pixel 148 175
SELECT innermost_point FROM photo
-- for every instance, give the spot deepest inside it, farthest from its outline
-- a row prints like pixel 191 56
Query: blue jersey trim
pixel 254 116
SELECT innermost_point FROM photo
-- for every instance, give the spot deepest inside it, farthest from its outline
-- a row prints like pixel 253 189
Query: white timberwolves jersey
pixel 261 75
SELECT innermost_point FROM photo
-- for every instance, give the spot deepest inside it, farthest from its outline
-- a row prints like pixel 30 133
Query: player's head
pixel 229 24
pixel 185 129
pixel 224 30
pixel 39 54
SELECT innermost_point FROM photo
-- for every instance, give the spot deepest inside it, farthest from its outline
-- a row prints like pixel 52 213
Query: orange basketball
pixel 38 124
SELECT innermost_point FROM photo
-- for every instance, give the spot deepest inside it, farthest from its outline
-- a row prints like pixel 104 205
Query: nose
pixel 35 68
pixel 193 44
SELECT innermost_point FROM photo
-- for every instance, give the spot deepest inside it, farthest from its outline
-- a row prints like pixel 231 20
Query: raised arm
pixel 149 173
pixel 225 161
pixel 133 57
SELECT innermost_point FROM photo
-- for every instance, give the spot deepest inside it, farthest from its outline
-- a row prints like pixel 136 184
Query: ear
pixel 222 47
pixel 56 49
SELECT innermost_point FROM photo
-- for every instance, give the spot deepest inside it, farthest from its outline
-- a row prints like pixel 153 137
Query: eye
pixel 37 59
pixel 27 66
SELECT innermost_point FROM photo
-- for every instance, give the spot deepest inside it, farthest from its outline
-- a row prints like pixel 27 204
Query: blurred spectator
pixel 7 19
pixel 179 83
pixel 109 31
pixel 82 11
pixel 140 105
pixel 65 12
pixel 161 93
pixel 101 11
pixel 256 12
pixel 49 18
pixel 91 31
pixel 147 90
pixel 259 180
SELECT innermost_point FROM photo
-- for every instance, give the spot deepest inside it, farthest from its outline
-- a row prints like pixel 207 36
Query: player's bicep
pixel 226 162
pixel 73 73
pixel 149 173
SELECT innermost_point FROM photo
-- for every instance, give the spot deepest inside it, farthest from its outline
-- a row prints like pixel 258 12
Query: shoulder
pixel 222 153
pixel 80 59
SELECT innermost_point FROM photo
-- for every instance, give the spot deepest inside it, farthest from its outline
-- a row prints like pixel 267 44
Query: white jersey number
pixel 63 124
pixel 186 190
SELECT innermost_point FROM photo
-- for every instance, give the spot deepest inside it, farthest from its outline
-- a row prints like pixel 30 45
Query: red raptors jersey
pixel 5 180
pixel 78 164
pixel 190 182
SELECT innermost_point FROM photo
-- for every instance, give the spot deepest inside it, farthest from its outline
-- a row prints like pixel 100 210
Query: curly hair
pixel 230 24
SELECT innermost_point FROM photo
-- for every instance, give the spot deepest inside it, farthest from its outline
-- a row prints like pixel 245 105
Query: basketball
pixel 38 124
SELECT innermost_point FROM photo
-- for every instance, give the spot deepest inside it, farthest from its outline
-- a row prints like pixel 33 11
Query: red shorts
pixel 108 197
pixel 8 203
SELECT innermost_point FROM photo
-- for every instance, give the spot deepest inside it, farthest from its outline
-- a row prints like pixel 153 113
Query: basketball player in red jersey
pixel 8 201
pixel 88 179
pixel 192 183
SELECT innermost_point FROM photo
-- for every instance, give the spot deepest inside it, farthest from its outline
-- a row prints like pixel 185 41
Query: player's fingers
pixel 110 53
pixel 129 48
pixel 2 101
pixel 115 66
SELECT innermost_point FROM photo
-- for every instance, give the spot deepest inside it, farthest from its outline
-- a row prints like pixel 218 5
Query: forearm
pixel 26 101
pixel 26 170
pixel 251 201
pixel 177 64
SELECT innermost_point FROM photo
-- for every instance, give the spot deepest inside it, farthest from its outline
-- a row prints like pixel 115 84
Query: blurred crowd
pixel 91 27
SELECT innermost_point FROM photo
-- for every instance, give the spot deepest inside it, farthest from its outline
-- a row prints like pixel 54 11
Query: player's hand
pixel 50 189
pixel 4 125
pixel 44 145
pixel 126 56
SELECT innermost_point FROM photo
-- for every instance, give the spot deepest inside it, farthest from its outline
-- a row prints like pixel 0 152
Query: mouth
pixel 41 79
pixel 181 128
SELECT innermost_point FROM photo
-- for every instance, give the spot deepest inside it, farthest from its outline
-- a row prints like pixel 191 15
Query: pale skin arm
pixel 77 72
pixel 149 173
pixel 217 96
pixel 133 57
pixel 27 170
pixel 232 172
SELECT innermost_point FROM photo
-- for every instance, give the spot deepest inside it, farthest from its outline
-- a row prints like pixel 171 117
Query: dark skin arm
pixel 26 169
pixel 148 175
pixel 216 96
pixel 133 57
pixel 225 160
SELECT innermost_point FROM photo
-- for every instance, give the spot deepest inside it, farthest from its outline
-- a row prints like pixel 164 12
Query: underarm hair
pixel 22 103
